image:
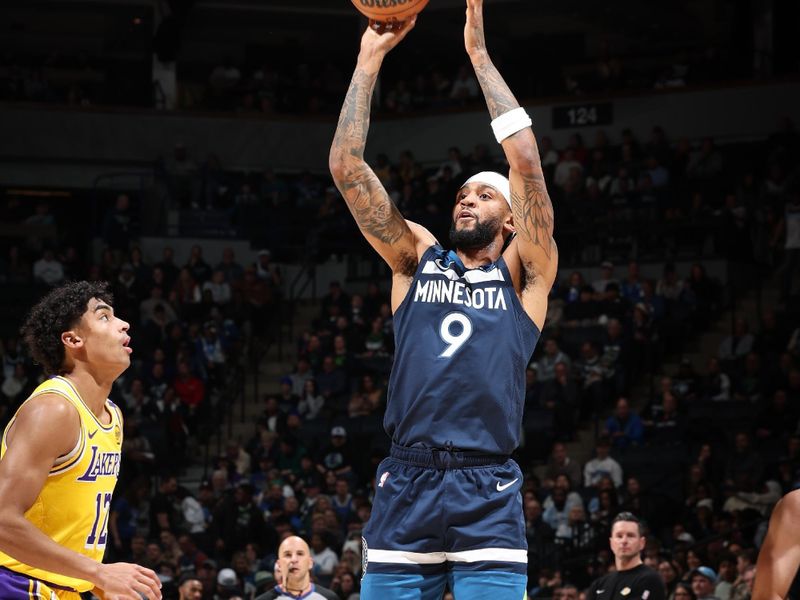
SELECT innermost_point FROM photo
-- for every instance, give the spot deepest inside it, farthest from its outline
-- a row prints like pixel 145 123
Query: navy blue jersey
pixel 463 342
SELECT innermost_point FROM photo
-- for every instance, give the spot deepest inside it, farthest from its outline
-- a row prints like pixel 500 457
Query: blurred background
pixel 178 149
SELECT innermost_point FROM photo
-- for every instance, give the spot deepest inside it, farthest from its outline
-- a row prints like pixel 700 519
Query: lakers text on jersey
pixel 73 507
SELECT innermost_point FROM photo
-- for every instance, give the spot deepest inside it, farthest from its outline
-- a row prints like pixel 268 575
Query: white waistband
pixel 401 557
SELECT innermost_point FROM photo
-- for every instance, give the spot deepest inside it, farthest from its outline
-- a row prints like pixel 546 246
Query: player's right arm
pixel 44 429
pixel 779 557
pixel 397 242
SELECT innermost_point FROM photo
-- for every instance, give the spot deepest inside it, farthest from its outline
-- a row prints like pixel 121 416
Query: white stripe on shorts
pixel 400 557
pixel 493 554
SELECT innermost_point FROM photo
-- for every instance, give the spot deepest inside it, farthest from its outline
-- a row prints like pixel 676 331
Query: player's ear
pixel 508 225
pixel 72 339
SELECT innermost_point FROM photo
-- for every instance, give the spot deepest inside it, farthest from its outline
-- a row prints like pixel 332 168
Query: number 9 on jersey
pixel 455 330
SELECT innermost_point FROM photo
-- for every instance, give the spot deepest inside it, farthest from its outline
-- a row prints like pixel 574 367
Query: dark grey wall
pixel 246 143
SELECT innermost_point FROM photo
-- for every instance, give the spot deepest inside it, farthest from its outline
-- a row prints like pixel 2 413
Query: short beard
pixel 482 235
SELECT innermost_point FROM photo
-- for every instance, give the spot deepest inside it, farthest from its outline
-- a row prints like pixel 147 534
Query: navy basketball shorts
pixel 444 517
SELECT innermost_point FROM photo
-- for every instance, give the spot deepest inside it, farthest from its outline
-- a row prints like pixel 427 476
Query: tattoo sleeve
pixel 366 197
pixel 533 214
pixel 531 206
pixel 351 131
pixel 498 96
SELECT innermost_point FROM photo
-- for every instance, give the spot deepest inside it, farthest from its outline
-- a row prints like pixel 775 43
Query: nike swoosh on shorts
pixel 500 488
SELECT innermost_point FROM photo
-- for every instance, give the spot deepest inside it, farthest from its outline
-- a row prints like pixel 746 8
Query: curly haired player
pixel 60 456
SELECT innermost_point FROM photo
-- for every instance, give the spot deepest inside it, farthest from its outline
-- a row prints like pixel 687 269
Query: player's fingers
pixel 141 588
pixel 401 28
pixel 144 592
pixel 147 572
pixel 148 587
pixel 150 577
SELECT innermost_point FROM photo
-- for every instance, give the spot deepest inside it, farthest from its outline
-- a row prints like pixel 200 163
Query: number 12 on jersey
pixel 463 330
pixel 102 508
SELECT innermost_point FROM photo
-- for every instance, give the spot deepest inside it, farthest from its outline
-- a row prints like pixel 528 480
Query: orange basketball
pixel 389 10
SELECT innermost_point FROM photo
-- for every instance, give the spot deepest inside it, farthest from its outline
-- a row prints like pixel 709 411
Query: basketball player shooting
pixel 447 506
pixel 60 457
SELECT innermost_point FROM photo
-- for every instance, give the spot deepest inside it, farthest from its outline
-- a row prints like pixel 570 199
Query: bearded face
pixel 480 235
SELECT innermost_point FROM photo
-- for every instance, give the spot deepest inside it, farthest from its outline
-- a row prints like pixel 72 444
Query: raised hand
pixel 474 40
pixel 379 37
pixel 126 581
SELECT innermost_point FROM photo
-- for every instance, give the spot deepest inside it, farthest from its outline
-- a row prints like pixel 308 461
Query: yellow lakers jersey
pixel 73 506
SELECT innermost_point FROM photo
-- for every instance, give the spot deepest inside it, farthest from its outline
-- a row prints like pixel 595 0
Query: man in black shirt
pixel 164 515
pixel 632 580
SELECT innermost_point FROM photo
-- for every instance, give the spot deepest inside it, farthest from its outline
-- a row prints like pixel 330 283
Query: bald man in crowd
pixel 293 569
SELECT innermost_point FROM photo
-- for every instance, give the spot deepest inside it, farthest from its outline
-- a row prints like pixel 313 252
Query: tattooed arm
pixel 375 213
pixel 530 202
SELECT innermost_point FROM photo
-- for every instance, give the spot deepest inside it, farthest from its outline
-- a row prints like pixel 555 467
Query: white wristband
pixel 510 123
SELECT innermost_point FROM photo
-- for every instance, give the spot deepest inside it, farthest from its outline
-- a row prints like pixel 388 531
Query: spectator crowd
pixel 700 456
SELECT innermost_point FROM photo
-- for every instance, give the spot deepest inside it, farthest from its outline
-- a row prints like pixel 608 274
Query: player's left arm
pixel 779 556
pixel 530 203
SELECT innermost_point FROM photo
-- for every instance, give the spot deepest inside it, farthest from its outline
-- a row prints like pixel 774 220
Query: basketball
pixel 389 10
